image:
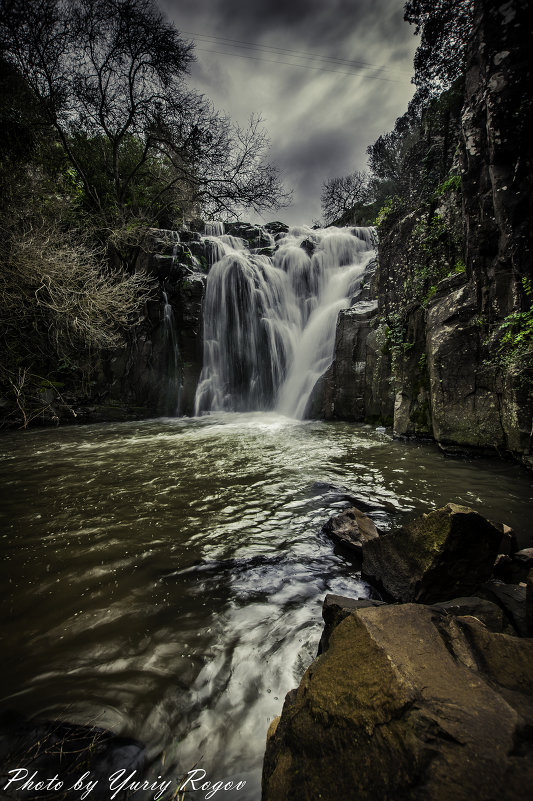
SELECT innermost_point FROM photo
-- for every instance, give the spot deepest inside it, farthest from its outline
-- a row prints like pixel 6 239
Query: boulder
pixel 514 569
pixel 335 608
pixel 351 528
pixel 529 602
pixel 408 704
pixel 487 612
pixel 511 598
pixel 524 557
pixel 442 555
pixel 509 544
pixel 277 227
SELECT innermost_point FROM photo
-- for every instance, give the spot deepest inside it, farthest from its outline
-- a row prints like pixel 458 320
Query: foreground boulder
pixel 410 704
pixel 440 556
pixel 351 528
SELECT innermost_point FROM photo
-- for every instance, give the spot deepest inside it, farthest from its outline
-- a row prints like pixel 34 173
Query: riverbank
pixel 428 695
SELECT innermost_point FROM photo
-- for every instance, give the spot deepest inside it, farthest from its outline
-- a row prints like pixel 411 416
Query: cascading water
pixel 269 323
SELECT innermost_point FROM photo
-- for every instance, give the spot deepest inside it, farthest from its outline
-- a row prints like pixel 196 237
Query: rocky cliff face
pixel 157 373
pixel 453 268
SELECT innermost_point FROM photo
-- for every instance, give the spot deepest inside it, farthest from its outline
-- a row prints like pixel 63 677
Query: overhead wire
pixel 302 66
pixel 226 42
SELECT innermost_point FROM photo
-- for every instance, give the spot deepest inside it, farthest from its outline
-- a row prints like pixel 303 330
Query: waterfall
pixel 269 324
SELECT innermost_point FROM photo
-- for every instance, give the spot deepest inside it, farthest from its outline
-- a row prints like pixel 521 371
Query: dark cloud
pixel 320 121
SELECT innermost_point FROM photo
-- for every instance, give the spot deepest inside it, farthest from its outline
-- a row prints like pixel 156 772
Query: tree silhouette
pixel 108 75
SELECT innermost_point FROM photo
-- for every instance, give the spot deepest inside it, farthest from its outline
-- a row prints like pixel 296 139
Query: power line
pixel 302 66
pixel 299 53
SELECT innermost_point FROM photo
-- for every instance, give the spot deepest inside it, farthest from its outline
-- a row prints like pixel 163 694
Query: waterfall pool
pixel 164 578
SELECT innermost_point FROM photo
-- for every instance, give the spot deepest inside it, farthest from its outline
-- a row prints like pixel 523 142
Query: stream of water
pixel 269 323
pixel 164 579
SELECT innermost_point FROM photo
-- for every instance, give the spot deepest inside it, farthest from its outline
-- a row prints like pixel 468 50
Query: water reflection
pixel 164 579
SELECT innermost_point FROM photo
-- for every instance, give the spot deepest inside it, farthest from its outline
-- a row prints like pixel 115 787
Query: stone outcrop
pixel 335 608
pixel 158 371
pixel 356 386
pixel 351 528
pixel 407 702
pixel 442 555
pixel 511 598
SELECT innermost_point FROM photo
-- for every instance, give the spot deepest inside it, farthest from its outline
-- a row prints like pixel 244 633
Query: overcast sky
pixel 320 121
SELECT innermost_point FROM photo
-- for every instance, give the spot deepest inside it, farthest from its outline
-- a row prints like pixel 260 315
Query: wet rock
pixel 524 557
pixel 509 544
pixel 253 234
pixel 511 598
pixel 514 569
pixel 340 393
pixel 309 246
pixel 529 602
pixel 337 607
pixel 487 612
pixel 506 570
pixel 266 251
pixel 277 227
pixel 442 555
pixel 407 703
pixel 351 528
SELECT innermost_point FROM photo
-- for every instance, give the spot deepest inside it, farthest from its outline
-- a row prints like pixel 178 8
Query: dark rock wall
pixel 451 268
pixel 146 378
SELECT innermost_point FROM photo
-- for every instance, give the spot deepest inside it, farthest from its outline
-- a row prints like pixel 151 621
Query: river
pixel 164 578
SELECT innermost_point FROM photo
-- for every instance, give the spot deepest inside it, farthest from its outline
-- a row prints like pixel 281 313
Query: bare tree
pixel 108 75
pixel 340 195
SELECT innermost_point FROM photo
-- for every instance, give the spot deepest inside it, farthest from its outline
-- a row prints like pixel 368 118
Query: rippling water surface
pixel 165 578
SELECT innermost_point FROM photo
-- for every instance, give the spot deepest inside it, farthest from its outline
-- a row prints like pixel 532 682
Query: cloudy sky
pixel 328 77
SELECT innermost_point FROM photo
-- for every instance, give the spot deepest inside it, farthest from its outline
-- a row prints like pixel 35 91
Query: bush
pixel 60 305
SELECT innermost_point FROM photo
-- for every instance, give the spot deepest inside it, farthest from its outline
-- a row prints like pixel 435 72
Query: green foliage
pixel 451 184
pixel 445 27
pixel 516 330
pixel 395 339
pixel 60 303
pixel 391 205
pixel 432 291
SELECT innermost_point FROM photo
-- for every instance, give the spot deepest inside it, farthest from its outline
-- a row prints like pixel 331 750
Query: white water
pixel 269 324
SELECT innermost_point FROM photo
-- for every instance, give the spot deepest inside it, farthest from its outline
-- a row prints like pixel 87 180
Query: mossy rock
pixel 442 555
pixel 405 705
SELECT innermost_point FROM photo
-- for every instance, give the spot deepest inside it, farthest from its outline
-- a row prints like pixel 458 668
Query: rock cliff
pixel 454 268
